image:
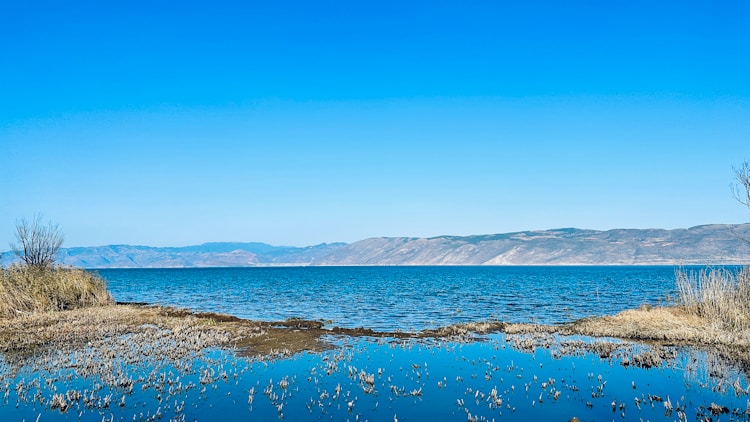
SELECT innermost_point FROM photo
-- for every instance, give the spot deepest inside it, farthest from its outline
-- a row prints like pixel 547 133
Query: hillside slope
pixel 709 244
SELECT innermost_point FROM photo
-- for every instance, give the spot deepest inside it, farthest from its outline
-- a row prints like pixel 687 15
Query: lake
pixel 387 379
pixel 399 298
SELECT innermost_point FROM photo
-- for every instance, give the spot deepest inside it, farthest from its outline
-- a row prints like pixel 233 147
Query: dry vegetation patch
pixel 719 295
pixel 670 324
pixel 26 289
pixel 65 330
pixel 139 326
pixel 674 325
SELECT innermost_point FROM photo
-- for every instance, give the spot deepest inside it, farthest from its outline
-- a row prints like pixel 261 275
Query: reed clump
pixel 28 289
pixel 719 295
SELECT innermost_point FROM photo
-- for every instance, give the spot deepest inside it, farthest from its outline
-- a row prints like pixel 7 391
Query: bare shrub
pixel 38 243
pixel 741 189
pixel 717 294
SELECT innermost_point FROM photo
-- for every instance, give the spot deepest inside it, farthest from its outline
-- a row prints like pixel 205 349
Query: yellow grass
pixel 176 331
pixel 28 289
pixel 672 324
pixel 719 295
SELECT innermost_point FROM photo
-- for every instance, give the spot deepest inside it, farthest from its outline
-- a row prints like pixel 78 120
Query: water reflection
pixel 497 378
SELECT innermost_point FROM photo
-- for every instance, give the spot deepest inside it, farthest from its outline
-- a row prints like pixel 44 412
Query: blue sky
pixel 297 123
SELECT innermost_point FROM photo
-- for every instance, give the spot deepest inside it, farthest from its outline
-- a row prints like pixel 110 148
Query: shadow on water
pixel 497 376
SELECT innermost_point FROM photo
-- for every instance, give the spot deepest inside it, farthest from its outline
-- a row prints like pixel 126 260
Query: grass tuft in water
pixel 28 289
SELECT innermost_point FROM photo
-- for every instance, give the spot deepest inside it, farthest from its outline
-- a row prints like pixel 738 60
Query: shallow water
pixel 364 379
pixel 399 298
pixel 381 379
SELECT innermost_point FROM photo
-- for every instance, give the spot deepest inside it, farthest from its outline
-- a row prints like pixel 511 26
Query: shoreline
pixel 192 332
pixel 153 361
pixel 666 263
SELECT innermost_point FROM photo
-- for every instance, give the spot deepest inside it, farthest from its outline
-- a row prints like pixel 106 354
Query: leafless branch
pixel 38 243
pixel 741 190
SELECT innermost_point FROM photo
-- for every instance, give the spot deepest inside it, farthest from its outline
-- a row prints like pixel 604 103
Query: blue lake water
pixel 386 379
pixel 399 298
pixel 380 380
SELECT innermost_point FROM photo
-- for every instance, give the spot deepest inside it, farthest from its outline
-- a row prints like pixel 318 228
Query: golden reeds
pixel 719 295
pixel 27 289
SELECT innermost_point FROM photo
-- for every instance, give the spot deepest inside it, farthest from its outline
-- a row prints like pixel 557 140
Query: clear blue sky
pixel 295 123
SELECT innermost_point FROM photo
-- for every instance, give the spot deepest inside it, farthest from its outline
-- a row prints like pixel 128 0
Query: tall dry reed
pixel 720 295
pixel 25 289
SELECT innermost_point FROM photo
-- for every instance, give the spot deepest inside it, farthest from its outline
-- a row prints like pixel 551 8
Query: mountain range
pixel 706 244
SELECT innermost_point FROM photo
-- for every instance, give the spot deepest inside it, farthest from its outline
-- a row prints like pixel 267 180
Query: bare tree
pixel 37 242
pixel 741 189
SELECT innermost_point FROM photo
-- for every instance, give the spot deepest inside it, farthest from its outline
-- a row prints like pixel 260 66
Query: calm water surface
pixel 399 298
pixel 382 381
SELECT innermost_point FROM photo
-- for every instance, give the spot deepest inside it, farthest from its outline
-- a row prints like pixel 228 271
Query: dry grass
pixel 75 328
pixel 719 295
pixel 140 326
pixel 673 325
pixel 28 289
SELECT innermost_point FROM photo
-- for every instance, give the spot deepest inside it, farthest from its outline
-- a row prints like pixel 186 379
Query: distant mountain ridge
pixel 704 245
pixel 708 244
pixel 214 254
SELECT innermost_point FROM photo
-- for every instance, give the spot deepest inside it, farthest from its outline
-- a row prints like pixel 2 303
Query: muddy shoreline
pixel 190 332
pixel 159 362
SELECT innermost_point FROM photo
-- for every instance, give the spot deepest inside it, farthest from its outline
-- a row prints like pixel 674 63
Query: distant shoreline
pixel 715 244
pixel 675 265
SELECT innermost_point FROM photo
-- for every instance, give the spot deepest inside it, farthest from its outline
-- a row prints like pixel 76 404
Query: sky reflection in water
pixel 386 380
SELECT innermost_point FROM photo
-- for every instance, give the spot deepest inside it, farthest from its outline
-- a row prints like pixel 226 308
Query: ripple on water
pixel 399 298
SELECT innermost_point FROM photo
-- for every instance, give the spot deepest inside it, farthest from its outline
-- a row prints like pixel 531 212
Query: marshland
pixel 77 350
